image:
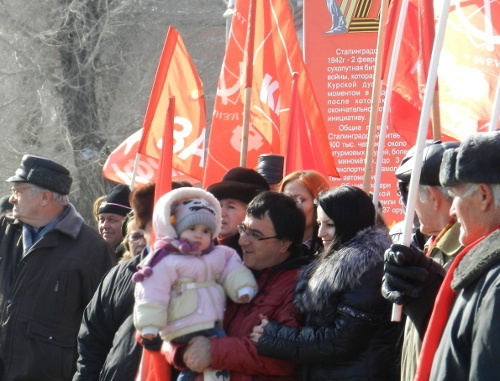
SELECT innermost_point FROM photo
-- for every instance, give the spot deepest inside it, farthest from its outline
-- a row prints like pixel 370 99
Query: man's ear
pixel 47 197
pixel 437 197
pixel 285 245
pixel 486 196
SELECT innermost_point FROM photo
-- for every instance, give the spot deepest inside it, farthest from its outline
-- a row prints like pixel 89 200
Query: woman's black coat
pixel 347 333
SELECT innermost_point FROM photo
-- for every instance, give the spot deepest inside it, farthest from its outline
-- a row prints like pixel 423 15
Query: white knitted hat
pixel 184 207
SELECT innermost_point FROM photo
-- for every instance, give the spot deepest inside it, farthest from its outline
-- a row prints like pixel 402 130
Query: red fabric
pixel 467 73
pixel 274 57
pixel 439 317
pixel 154 367
pixel 119 166
pixel 237 352
pixel 164 182
pixel 304 151
pixel 412 64
pixel 176 77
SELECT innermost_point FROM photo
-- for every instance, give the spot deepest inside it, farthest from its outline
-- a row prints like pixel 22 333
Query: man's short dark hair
pixel 288 219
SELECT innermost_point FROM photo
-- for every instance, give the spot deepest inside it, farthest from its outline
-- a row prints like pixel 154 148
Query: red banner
pixel 177 77
pixel 340 48
pixel 340 43
pixel 275 57
pixel 469 68
pixel 119 166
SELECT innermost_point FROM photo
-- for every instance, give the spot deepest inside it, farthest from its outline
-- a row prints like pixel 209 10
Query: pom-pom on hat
pixel 239 183
pixel 44 173
pixel 116 201
pixel 475 161
pixel 184 207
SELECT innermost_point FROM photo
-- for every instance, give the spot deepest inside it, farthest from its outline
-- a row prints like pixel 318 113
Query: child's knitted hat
pixel 181 208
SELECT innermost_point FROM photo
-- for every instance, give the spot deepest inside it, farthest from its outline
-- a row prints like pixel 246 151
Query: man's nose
pixel 243 240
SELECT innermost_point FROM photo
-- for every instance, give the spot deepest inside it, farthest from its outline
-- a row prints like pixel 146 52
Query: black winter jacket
pixel 470 344
pixel 107 346
pixel 347 333
pixel 43 295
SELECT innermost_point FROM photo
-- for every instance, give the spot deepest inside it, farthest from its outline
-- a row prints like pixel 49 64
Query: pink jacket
pixel 187 293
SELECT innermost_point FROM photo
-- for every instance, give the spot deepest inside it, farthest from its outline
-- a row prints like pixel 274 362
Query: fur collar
pixel 342 270
pixel 477 261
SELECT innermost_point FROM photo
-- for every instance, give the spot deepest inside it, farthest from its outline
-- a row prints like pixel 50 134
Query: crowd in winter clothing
pixel 242 282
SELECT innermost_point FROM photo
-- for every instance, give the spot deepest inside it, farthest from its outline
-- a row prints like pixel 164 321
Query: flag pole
pixel 372 127
pixel 422 134
pixel 496 109
pixel 248 83
pixel 388 97
pixel 134 172
pixel 436 117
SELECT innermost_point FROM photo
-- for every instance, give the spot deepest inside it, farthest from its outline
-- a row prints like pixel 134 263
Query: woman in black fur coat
pixel 347 334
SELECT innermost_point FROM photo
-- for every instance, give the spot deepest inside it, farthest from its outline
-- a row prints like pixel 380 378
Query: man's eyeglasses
pixel 243 230
pixel 17 191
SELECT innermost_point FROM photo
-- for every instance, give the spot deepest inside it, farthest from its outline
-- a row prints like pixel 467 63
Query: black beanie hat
pixel 239 183
pixel 116 201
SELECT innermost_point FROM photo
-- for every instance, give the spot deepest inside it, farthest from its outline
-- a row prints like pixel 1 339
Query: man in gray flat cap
pixel 462 340
pixel 50 265
pixel 432 207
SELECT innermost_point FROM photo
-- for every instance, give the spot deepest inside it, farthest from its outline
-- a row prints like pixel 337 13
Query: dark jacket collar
pixel 477 261
pixel 70 225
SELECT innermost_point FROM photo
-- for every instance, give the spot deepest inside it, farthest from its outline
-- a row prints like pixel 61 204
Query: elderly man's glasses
pixel 17 191
pixel 243 230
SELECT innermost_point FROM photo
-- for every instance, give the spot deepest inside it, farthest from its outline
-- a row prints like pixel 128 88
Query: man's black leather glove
pixel 412 279
pixel 153 344
pixel 406 273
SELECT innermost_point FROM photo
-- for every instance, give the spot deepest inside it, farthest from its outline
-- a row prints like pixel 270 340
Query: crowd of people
pixel 261 276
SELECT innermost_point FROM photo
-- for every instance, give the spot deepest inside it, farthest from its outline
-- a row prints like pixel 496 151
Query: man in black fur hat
pixel 462 340
pixel 50 266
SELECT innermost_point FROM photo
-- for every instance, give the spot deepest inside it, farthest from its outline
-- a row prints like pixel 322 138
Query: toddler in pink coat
pixel 183 283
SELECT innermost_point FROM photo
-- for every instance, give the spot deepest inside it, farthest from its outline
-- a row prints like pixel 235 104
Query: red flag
pixel 469 69
pixel 412 65
pixel 177 77
pixel 276 57
pixel 302 139
pixel 119 166
pixel 467 74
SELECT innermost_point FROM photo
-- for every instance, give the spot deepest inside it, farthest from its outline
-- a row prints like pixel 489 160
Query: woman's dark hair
pixel 350 209
pixel 288 219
